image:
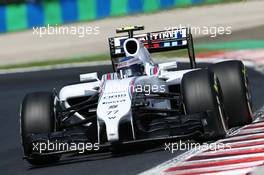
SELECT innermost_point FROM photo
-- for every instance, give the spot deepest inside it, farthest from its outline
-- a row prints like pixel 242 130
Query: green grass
pixel 200 48
pixel 100 57
pixel 234 45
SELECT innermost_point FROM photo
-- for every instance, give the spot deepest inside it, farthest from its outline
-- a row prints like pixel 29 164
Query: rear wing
pixel 159 41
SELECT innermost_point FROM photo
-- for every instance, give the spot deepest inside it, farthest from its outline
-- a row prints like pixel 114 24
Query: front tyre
pixel 37 117
pixel 201 92
pixel 235 87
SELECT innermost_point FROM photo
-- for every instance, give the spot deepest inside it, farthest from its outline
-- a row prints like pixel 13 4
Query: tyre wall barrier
pixel 33 13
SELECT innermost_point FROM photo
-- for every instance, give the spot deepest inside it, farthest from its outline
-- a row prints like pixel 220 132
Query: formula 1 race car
pixel 138 102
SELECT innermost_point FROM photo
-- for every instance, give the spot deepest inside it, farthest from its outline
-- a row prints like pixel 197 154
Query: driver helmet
pixel 130 66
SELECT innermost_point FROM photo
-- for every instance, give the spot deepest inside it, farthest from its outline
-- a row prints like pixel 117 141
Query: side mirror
pixel 169 65
pixel 89 77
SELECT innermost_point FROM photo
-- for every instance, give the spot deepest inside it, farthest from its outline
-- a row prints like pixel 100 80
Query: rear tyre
pixel 235 87
pixel 37 117
pixel 201 92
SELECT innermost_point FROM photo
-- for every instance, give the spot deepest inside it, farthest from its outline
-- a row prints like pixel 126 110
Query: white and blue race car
pixel 138 102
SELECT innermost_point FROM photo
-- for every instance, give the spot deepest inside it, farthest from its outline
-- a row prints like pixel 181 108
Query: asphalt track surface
pixel 13 87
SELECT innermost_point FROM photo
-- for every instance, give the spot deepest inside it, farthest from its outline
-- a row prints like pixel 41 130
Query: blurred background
pixel 25 14
pixel 22 22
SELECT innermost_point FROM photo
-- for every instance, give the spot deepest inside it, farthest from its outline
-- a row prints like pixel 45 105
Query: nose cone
pixel 114 105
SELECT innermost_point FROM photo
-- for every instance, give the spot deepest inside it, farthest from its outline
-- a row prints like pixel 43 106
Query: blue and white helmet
pixel 130 66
